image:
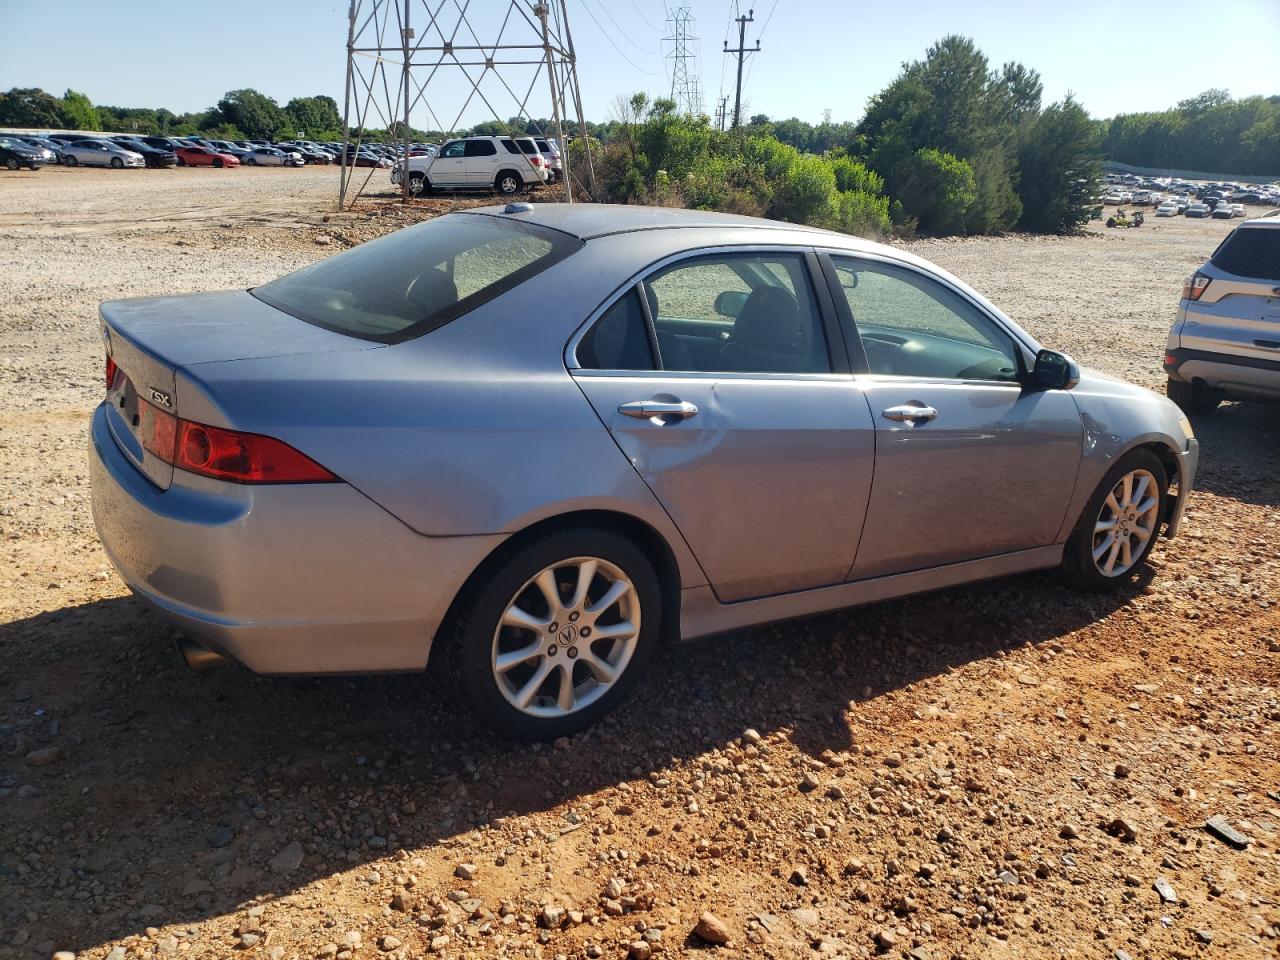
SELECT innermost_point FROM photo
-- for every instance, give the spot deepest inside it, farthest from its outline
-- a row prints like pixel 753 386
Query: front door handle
pixel 912 413
pixel 661 411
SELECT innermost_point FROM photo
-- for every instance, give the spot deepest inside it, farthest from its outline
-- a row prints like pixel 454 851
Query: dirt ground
pixel 1006 770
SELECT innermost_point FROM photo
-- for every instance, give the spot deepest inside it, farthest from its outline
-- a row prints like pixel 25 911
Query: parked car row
pixel 1153 191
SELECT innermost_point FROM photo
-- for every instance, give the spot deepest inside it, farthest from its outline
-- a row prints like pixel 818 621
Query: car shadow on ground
pixel 1240 452
pixel 175 794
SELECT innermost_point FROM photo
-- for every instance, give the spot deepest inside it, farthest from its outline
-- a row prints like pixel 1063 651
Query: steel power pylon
pixel 686 87
pixel 503 49
pixel 741 51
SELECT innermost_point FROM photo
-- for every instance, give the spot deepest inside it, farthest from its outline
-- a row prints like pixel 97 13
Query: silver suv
pixel 505 164
pixel 1225 344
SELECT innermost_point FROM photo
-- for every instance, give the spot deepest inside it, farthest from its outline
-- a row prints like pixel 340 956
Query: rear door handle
pixel 1268 344
pixel 663 411
pixel 911 413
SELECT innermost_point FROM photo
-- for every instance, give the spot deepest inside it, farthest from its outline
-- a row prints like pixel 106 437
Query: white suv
pixel 505 164
pixel 1225 343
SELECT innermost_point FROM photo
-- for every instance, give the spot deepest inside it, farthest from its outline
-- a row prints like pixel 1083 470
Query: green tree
pixel 316 116
pixel 78 112
pixel 807 193
pixel 939 190
pixel 255 113
pixel 1058 169
pixel 29 107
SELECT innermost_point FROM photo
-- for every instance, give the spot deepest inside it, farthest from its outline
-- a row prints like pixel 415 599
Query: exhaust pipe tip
pixel 200 659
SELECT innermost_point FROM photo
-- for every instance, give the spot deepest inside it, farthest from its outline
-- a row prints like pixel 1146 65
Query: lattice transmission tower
pixel 436 60
pixel 686 83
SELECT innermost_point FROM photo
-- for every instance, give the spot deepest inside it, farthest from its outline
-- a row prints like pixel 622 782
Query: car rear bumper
pixel 1254 378
pixel 285 579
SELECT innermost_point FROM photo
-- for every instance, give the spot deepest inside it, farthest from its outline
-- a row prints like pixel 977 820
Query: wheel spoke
pixel 615 631
pixel 1143 533
pixel 564 697
pixel 586 574
pixel 1147 505
pixel 1143 482
pixel 617 590
pixel 600 668
pixel 1126 551
pixel 522 619
pixel 1127 496
pixel 546 582
pixel 525 695
pixel 1110 565
pixel 1102 526
pixel 1112 504
pixel 1103 547
pixel 503 662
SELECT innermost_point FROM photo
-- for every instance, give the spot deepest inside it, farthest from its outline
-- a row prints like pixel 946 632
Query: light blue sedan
pixel 529 444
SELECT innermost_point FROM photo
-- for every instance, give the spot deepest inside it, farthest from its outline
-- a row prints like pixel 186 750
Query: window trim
pixel 823 302
pixel 1025 346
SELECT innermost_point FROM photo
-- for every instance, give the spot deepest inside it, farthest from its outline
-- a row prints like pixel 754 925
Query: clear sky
pixel 817 54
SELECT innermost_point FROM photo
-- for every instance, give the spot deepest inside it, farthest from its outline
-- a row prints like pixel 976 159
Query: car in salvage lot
pixel 1225 342
pixel 195 156
pixel 16 154
pixel 398 456
pixel 100 153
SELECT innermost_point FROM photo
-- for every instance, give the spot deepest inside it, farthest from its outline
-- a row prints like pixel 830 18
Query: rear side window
pixel 619 340
pixel 480 148
pixel 528 146
pixel 1251 252
pixel 417 279
pixel 510 146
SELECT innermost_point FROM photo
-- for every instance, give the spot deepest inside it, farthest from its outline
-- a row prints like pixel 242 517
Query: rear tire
pixel 11 163
pixel 1192 398
pixel 586 673
pixel 1109 517
pixel 508 183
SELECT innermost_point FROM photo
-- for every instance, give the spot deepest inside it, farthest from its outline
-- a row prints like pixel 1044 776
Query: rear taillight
pixel 111 370
pixel 226 454
pixel 1195 286
pixel 535 160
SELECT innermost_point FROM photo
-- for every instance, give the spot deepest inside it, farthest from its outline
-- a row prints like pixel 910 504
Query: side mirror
pixel 1054 371
pixel 730 303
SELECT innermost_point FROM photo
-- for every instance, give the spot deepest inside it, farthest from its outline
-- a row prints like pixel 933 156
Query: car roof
pixel 1269 221
pixel 588 220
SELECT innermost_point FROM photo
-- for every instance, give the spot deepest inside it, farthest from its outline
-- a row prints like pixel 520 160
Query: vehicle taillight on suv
pixel 1195 286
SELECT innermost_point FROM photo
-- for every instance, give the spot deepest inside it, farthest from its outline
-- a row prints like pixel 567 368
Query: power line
pixel 651 73
pixel 625 33
pixel 644 18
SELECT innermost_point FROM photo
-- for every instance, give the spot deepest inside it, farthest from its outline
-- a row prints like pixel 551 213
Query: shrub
pixel 807 193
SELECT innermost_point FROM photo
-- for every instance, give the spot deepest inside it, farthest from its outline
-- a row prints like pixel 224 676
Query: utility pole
pixel 722 110
pixel 741 52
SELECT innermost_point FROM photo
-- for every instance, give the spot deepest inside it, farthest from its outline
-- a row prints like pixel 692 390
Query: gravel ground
pixel 1005 770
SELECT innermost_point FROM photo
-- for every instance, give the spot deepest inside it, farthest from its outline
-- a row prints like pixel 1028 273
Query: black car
pixel 162 143
pixel 153 156
pixel 14 155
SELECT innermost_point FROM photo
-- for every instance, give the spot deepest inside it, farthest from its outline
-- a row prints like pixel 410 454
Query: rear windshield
pixel 417 279
pixel 1251 252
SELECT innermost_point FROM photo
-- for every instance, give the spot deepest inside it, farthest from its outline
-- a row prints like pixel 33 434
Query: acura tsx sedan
pixel 530 443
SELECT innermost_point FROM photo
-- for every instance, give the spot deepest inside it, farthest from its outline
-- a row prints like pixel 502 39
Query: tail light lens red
pixel 226 454
pixel 111 371
pixel 1195 286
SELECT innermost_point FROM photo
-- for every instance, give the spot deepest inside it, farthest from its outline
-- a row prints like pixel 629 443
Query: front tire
pixel 1119 525
pixel 417 185
pixel 116 163
pixel 71 161
pixel 555 632
pixel 1192 397
pixel 217 163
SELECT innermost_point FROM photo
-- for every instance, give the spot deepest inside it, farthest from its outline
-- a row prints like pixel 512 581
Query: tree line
pixel 952 145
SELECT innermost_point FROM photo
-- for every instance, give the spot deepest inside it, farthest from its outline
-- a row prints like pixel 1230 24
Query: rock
pixel 639 950
pixel 1069 831
pixel 221 836
pixel 45 756
pixel 835 792
pixel 248 940
pixel 1124 829
pixel 1204 936
pixel 288 859
pixel 28 791
pixel 1219 827
pixel 809 782
pixel 404 901
pixel 751 735
pixel 624 810
pixel 116 953
pixel 1166 891
pixel 1146 687
pixel 800 876
pixel 388 943
pixel 64 955
pixel 465 871
pixel 711 929
pixel 196 886
pixel 551 917
pixel 1121 771
pixel 352 940
pixel 439 943
pixel 885 939
pixel 1027 680
pixel 1008 877
pixel 595 951
pixel 919 953
pixel 1122 954
pixel 613 889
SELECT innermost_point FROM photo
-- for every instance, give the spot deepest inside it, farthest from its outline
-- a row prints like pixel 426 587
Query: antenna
pixel 686 89
pixel 741 51
pixel 500 54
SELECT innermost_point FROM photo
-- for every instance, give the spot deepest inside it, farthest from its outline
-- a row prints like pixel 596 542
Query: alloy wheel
pixel 566 637
pixel 1126 523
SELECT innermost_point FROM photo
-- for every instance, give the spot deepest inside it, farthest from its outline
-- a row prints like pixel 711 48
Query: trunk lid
pixel 148 340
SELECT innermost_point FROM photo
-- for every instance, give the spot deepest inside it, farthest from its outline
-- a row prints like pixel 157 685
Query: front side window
pixel 738 313
pixel 913 326
pixel 417 279
pixel 454 149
